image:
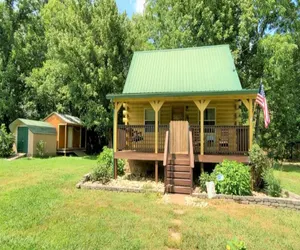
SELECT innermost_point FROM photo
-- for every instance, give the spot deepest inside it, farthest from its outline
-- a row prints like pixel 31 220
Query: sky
pixel 131 6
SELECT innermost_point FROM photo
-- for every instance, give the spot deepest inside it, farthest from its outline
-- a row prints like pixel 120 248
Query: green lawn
pixel 290 177
pixel 40 208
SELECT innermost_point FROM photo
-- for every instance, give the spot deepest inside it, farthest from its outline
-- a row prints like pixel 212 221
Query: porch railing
pixel 221 139
pixel 217 139
pixel 141 138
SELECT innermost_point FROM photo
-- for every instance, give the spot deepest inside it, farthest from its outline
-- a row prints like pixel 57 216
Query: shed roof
pixel 36 127
pixel 67 118
pixel 208 69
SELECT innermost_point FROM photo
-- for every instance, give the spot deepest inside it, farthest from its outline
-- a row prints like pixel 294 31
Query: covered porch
pixel 222 137
pixel 71 138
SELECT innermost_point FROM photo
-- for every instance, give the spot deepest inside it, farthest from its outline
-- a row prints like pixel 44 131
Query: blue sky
pixel 131 6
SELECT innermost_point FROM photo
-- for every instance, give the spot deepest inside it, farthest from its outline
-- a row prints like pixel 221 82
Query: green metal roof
pixel 198 69
pixel 36 127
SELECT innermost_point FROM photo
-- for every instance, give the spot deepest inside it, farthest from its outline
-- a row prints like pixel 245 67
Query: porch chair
pixel 224 140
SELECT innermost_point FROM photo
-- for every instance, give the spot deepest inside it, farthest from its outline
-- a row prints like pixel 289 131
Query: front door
pixel 178 113
pixel 179 134
pixel 22 140
pixel 70 137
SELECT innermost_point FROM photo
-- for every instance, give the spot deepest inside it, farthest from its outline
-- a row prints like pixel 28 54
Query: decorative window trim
pixel 145 109
pixel 215 120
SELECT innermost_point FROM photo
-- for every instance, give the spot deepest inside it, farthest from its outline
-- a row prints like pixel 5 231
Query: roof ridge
pixel 179 49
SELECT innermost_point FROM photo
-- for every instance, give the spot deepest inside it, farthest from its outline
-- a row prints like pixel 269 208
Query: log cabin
pixel 181 106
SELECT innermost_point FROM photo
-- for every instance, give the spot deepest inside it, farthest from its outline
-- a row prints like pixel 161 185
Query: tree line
pixel 65 56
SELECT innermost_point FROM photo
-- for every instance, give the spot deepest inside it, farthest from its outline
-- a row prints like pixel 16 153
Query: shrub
pixel 231 177
pixel 102 172
pixel 6 142
pixel 272 184
pixel 259 163
pixel 40 148
pixel 205 177
pixel 106 158
pixel 235 245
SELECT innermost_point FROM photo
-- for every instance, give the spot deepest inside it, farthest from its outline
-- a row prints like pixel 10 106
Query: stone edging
pixel 83 185
pixel 266 201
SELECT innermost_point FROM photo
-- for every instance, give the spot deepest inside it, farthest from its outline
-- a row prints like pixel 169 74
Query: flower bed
pixel 122 184
pixel 260 200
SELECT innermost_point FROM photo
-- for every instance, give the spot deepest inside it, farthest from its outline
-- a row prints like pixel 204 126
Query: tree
pixel 88 57
pixel 22 48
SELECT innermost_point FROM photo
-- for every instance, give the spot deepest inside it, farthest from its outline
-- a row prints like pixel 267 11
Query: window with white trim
pixel 149 119
pixel 210 116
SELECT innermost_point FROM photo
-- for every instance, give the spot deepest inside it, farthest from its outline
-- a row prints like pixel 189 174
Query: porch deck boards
pixel 132 155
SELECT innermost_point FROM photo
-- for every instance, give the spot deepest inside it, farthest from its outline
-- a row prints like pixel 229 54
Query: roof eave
pixel 181 94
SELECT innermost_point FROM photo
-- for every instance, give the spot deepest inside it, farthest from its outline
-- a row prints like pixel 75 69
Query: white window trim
pixel 154 115
pixel 209 120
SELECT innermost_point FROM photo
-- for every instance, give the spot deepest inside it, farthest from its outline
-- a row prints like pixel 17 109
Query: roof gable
pixel 36 127
pixel 197 69
pixel 66 118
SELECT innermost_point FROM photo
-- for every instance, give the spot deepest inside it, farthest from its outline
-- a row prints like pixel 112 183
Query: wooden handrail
pixel 166 151
pixel 192 162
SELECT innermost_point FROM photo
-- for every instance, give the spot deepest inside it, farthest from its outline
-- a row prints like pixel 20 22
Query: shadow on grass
pixel 289 168
pixel 90 157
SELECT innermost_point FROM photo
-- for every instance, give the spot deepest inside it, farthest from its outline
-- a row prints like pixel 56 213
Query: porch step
pixel 179 175
pixel 179 182
pixel 178 189
pixel 179 162
pixel 179 156
pixel 178 168
pixel 80 153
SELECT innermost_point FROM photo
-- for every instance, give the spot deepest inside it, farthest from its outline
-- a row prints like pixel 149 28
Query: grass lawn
pixel 40 208
pixel 290 177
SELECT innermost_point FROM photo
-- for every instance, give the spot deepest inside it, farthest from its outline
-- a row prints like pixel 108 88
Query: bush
pixel 259 163
pixel 205 177
pixel 272 184
pixel 106 158
pixel 231 177
pixel 6 142
pixel 102 172
pixel 40 148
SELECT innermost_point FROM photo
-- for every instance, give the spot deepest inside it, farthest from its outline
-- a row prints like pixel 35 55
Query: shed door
pixel 70 137
pixel 22 141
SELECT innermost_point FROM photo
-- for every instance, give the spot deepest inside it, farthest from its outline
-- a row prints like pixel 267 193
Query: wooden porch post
pixel 80 146
pixel 249 105
pixel 66 131
pixel 156 105
pixel 156 171
pixel 202 105
pixel 115 134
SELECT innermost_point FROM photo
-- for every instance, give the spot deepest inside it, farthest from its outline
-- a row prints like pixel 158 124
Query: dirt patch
pixel 174 236
pixel 176 222
pixel 178 212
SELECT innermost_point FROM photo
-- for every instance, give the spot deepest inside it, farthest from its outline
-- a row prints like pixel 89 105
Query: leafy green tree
pixel 22 48
pixel 88 57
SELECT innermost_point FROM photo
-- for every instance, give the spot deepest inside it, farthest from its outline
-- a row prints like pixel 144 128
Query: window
pixel 149 120
pixel 210 116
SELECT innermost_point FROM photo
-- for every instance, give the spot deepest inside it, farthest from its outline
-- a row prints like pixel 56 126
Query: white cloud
pixel 140 6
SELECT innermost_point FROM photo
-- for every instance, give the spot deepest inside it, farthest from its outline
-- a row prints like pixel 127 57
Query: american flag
pixel 261 100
